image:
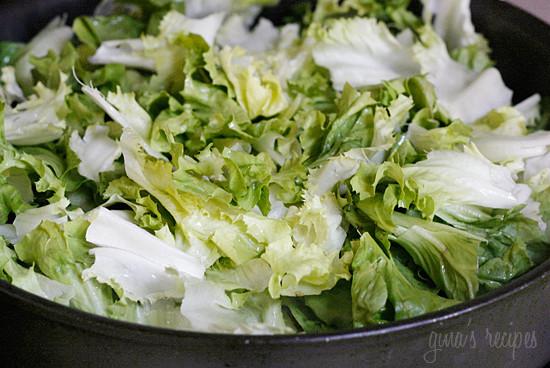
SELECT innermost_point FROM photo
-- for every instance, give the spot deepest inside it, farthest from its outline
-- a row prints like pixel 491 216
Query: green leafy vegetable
pixel 192 165
pixel 378 281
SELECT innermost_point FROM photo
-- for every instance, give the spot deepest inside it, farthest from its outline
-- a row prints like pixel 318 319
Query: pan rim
pixel 89 322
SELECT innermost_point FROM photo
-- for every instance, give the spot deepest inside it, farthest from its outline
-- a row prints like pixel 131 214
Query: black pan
pixel 509 327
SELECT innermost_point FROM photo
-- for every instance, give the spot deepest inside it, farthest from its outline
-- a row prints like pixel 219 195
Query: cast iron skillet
pixel 509 327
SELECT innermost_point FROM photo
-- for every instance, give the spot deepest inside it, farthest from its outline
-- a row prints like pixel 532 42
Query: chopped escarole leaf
pixel 451 177
pixel 447 255
pixel 30 280
pixel 192 165
pixel 60 251
pixel 362 52
pixel 38 119
pixel 96 150
pixel 466 94
pixel 378 281
pixel 53 37
pixel 256 88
